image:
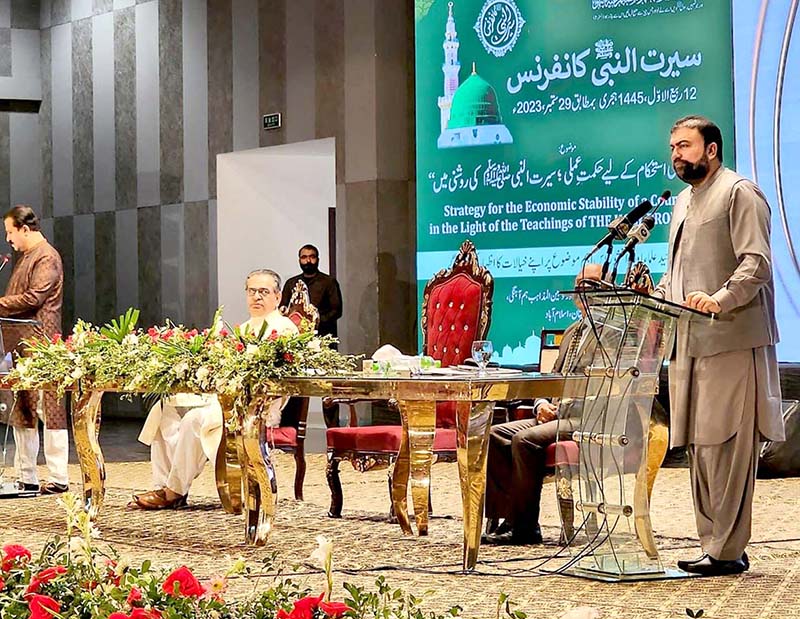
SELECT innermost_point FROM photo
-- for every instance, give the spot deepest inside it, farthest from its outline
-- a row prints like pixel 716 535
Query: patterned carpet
pixel 367 545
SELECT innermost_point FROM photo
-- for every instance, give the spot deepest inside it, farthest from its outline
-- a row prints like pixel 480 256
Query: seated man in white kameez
pixel 184 430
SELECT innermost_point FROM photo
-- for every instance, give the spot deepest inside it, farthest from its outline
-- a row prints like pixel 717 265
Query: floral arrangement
pixel 171 358
pixel 73 578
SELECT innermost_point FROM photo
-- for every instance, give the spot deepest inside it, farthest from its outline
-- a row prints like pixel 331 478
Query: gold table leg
pixel 228 466
pixel 656 449
pixel 85 429
pixel 415 458
pixel 473 421
pixel 260 483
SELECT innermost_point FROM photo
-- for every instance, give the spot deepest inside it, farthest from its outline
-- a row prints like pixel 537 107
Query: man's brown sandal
pixel 156 499
pixel 52 487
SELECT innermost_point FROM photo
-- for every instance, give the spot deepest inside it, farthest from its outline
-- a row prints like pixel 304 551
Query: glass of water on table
pixel 482 351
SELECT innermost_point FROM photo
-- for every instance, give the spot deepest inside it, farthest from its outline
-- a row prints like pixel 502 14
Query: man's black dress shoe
pixel 23 487
pixel 504 527
pixel 514 538
pixel 709 566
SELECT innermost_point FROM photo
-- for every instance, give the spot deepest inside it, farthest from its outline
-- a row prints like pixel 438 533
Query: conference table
pixel 244 459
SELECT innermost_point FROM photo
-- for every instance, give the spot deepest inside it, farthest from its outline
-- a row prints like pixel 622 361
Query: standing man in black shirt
pixel 324 292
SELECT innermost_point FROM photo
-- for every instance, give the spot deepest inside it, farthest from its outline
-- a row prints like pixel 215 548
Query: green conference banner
pixel 539 121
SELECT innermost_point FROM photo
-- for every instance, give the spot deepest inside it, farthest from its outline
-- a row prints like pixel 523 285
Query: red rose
pixel 111 574
pixel 137 613
pixel 224 332
pixel 288 357
pixel 45 576
pixel 274 335
pixel 187 584
pixel 239 347
pixel 134 596
pixel 304 607
pixel 43 607
pixel 334 609
pixel 143 613
pixel 56 338
pixel 14 554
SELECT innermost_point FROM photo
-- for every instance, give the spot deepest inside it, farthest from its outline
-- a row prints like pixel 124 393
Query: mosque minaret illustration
pixel 451 67
pixel 469 113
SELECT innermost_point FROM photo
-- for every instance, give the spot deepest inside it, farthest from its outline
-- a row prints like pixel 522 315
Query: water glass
pixel 482 351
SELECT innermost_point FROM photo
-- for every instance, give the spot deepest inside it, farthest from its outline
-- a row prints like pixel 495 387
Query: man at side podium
pixel 516 459
pixel 35 292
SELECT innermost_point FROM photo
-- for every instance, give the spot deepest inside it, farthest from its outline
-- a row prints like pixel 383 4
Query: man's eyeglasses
pixel 261 292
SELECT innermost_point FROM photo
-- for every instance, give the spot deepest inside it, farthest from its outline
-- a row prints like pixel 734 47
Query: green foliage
pixel 386 603
pixel 119 328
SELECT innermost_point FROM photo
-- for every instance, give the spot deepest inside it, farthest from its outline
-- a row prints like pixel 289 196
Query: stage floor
pixel 366 545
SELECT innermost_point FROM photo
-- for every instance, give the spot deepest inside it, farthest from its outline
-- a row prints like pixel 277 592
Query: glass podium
pixel 609 445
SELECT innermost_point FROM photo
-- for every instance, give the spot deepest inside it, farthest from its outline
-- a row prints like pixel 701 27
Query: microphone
pixel 638 234
pixel 620 226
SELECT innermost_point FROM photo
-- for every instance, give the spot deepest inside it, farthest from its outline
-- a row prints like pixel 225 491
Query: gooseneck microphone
pixel 662 199
pixel 619 227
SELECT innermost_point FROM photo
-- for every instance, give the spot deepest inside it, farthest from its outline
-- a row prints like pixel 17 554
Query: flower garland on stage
pixel 172 359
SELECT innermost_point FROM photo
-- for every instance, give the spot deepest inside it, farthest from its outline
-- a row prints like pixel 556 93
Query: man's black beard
pixel 309 268
pixel 694 171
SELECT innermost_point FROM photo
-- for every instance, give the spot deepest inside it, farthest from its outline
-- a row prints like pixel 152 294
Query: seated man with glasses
pixel 184 430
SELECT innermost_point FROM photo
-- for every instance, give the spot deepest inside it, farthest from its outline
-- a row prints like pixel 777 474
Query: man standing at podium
pixel 723 375
pixel 35 291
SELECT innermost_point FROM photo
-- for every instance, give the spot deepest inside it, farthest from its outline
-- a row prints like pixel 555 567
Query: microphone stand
pixel 631 260
pixel 606 263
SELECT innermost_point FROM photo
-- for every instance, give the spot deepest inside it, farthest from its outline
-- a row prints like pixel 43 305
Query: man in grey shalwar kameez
pixel 723 374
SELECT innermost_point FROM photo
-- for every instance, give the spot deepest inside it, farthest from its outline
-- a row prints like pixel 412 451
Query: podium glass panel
pixel 604 465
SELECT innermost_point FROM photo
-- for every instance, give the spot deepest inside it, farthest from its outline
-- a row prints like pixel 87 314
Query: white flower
pixel 121 566
pixel 77 373
pixel 181 369
pixel 78 548
pixel 201 374
pixel 324 550
pixel 314 344
pixel 251 350
pixel 130 340
pixel 79 338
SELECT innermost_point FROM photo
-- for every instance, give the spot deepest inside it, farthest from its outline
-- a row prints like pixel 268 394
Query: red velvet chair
pixel 290 436
pixel 456 310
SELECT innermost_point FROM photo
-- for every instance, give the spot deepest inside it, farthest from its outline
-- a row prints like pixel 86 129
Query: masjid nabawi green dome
pixel 470 115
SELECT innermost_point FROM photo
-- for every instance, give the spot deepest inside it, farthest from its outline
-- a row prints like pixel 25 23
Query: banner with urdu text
pixel 538 122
